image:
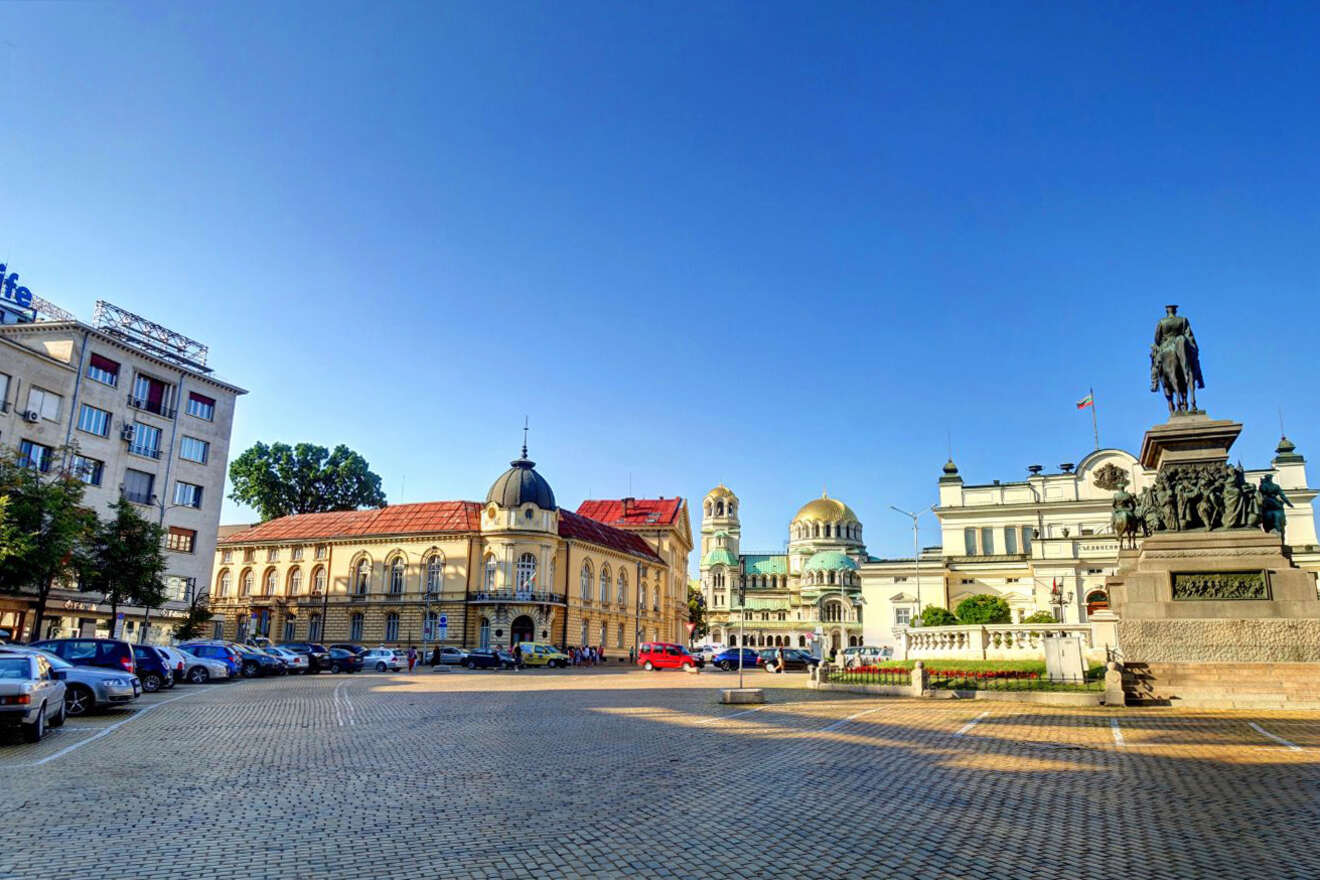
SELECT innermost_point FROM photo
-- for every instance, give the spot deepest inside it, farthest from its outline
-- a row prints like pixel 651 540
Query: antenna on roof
pixel 524 455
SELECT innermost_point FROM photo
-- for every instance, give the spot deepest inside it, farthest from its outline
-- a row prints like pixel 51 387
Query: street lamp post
pixel 916 548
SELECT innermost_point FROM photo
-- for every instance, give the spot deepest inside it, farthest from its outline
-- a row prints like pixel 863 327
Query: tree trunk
pixel 39 612
pixel 114 610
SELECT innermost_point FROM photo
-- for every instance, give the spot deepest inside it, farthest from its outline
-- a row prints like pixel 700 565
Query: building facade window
pixel 93 421
pixel 526 572
pixel 902 616
pixel 245 584
pixel 969 541
pixel 272 554
pixel 35 455
pixel 290 629
pixel 1027 534
pixel 192 449
pixel 355 628
pixel 622 587
pixel 270 581
pixel 391 627
pixel 139 486
pixel 483 635
pixel 222 588
pixel 363 579
pixel 146 440
pixel 153 395
pixel 641 596
pixel 89 470
pixel 45 404
pixel 102 369
pixel 187 494
pixel 295 581
pixel 489 577
pixel 604 634
pixel 318 581
pixel 987 541
pixel 584 585
pixel 1010 539
pixel 296 554
pixel 314 627
pixel 586 628
pixel 200 406
pixel 604 583
pixel 435 573
pixel 396 575
pixel 620 642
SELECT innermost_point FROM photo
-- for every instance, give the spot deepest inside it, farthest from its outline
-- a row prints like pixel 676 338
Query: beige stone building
pixel 133 410
pixel 514 568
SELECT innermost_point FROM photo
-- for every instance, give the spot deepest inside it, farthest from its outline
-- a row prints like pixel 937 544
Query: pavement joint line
pixel 843 721
pixel 1118 733
pixel 1278 739
pixel 970 724
pixel 715 718
pixel 104 731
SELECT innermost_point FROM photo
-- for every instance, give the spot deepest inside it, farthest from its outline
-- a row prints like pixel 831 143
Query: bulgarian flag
pixel 1088 400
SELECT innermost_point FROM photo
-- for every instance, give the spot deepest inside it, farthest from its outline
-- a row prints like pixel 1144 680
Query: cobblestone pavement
pixel 644 775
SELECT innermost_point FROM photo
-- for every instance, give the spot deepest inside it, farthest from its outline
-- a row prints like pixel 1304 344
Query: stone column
pixel 920 679
pixel 1114 695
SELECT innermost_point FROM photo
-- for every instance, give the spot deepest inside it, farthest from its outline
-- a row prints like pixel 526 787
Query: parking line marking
pixel 1118 733
pixel 1278 739
pixel 334 696
pixel 734 715
pixel 842 721
pixel 970 724
pixel 104 731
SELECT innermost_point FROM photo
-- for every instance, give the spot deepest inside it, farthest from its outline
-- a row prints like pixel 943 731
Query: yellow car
pixel 540 654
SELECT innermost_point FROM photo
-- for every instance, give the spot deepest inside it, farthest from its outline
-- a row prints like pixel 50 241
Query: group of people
pixel 587 655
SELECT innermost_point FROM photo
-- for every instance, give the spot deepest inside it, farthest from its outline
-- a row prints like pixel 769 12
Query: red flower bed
pixel 945 673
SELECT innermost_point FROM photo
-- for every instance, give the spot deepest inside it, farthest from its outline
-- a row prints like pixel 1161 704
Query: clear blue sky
pixel 778 245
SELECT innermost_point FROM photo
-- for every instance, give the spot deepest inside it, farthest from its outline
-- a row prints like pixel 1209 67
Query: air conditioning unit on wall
pixel 126 433
pixel 31 415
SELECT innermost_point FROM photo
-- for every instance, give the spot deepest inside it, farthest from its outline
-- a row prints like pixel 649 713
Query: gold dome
pixel 826 509
pixel 721 491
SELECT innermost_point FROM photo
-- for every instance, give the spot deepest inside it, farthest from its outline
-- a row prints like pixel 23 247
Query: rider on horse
pixel 1175 359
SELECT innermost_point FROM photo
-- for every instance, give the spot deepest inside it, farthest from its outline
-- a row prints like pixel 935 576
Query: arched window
pixel 620 635
pixel 604 584
pixel 396 575
pixel 526 573
pixel 268 583
pixel 245 583
pixel 391 627
pixel 295 581
pixel 603 635
pixel 623 591
pixel 222 589
pixel 435 573
pixel 585 580
pixel 641 596
pixel 802 641
pixel 490 574
pixel 355 628
pixel 318 581
pixel 363 581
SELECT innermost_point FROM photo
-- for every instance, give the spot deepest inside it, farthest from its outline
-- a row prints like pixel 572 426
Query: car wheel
pixel 648 666
pixel 380 667
pixel 151 682
pixel 334 668
pixel 725 665
pixel 58 720
pixel 199 675
pixel 250 669
pixel 470 665
pixel 37 729
pixel 78 700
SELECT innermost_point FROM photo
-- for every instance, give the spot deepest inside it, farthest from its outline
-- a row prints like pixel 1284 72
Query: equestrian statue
pixel 1175 362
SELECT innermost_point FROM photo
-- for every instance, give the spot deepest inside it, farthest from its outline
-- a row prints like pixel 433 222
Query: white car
pixel 200 670
pixel 31 696
pixel 707 652
pixel 381 659
pixel 295 662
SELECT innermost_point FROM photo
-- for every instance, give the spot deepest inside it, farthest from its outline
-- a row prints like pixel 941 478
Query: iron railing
pixel 1009 680
pixel 519 596
pixel 894 675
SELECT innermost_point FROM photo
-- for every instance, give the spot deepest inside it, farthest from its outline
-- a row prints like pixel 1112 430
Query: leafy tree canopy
pixel 697 612
pixel 279 480
pixel 934 615
pixel 127 564
pixel 984 608
pixel 1039 617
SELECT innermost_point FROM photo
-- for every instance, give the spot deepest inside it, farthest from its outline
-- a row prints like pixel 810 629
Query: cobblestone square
pixel 612 773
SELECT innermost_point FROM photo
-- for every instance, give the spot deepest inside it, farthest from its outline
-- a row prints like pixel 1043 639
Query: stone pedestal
pixel 1188 439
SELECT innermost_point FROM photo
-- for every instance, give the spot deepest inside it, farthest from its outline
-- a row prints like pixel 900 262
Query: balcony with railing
pixel 156 407
pixel 504 597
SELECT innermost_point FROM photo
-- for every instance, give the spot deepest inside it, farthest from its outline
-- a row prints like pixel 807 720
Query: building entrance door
pixel 523 630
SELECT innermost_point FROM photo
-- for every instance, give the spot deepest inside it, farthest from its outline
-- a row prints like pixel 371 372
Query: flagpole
pixel 1095 425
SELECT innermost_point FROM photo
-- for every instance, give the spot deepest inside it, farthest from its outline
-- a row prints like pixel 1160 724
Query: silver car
pixel 30 695
pixel 200 670
pixel 86 688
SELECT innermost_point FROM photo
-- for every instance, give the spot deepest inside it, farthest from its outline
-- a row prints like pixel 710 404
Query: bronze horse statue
pixel 1175 362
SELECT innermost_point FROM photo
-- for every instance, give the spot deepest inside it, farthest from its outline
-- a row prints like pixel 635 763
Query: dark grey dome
pixel 520 485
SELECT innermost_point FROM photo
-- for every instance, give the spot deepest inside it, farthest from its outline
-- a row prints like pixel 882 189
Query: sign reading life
pixel 11 291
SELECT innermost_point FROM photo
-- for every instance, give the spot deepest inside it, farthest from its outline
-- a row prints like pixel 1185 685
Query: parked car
pixel 200 670
pixel 318 658
pixel 108 653
pixel 794 660
pixel 541 654
pixel 450 656
pixel 152 669
pixel 295 662
pixel 86 688
pixel 663 655
pixel 216 651
pixel 351 648
pixel 706 652
pixel 344 661
pixel 31 696
pixel 862 655
pixel 175 661
pixel 254 661
pixel 484 659
pixel 258 642
pixel 728 659
pixel 381 659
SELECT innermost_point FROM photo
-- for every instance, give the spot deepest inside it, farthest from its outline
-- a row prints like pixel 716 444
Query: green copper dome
pixel 830 560
pixel 719 556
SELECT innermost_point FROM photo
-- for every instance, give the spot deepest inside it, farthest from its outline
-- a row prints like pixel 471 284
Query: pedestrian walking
pixel 517 656
pixel 412 658
pixel 435 657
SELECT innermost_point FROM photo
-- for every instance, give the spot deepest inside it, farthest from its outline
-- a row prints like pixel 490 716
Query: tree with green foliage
pixel 984 608
pixel 697 612
pixel 1040 617
pixel 279 480
pixel 199 614
pixel 934 615
pixel 127 564
pixel 45 531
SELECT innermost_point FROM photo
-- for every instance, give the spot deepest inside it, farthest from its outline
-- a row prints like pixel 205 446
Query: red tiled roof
pixel 582 528
pixel 641 512
pixel 398 519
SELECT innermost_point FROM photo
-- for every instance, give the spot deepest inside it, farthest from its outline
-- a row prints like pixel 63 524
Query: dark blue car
pixel 728 659
pixel 222 653
pixel 152 668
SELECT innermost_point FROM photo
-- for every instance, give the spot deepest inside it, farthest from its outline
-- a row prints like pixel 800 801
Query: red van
pixel 662 655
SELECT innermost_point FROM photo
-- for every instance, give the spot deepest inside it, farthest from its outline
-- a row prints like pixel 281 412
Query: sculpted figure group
pixel 1199 497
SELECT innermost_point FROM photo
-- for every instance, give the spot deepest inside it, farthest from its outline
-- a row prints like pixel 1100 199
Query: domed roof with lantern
pixel 520 485
pixel 826 509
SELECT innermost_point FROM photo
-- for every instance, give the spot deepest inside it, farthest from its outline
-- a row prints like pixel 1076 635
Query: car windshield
pixel 14 668
pixel 55 660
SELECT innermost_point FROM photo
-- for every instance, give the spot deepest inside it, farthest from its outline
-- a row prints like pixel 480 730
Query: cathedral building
pixel 513 568
pixel 807 596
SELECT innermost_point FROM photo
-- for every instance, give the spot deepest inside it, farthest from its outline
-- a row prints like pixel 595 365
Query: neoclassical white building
pixel 807 596
pixel 1044 543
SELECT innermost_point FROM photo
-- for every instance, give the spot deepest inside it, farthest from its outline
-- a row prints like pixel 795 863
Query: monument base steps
pixel 1224 685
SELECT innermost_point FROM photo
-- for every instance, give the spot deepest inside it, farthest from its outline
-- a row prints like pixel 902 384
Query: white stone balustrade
pixel 1007 641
